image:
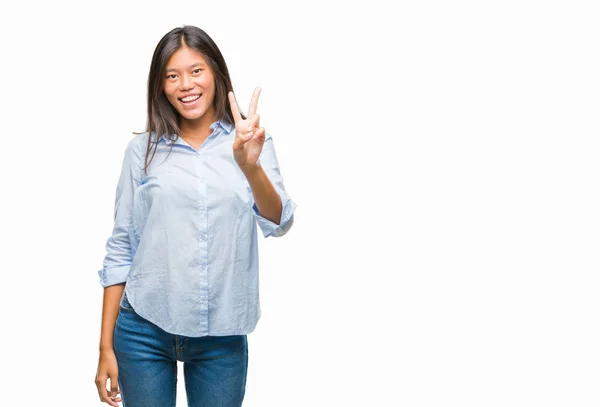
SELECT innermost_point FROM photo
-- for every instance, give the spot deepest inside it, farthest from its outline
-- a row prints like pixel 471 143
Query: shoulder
pixel 136 148
pixel 138 143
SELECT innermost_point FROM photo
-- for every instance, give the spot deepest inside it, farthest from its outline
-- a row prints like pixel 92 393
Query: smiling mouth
pixel 189 99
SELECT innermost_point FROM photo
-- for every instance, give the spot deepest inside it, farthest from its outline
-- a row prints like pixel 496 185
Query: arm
pixel 119 255
pixel 272 207
pixel 110 312
pixel 254 152
pixel 266 198
pixel 107 362
pixel 113 274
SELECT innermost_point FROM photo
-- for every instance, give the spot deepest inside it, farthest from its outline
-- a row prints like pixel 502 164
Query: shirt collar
pixel 223 123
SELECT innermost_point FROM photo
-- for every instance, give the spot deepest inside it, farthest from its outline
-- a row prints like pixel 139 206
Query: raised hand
pixel 249 136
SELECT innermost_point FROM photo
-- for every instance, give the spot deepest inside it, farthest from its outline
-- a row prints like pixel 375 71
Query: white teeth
pixel 190 98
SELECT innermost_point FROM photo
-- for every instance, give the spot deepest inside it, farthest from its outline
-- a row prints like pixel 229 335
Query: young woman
pixel 180 275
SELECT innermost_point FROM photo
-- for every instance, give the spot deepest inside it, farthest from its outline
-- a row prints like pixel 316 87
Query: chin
pixel 191 116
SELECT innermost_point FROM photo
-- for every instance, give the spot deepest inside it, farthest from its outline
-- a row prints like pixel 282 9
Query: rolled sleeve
pixel 118 247
pixel 269 162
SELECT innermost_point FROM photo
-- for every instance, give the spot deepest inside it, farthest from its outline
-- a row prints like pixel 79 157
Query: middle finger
pixel 254 101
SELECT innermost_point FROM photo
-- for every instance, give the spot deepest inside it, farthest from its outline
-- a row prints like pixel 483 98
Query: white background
pixel 444 157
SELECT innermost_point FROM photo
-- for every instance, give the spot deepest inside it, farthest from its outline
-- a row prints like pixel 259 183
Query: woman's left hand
pixel 249 136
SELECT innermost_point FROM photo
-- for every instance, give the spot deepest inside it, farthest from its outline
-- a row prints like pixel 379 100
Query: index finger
pixel 254 101
pixel 235 111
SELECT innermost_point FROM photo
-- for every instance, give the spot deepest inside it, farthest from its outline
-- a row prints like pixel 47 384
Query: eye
pixel 197 70
pixel 172 76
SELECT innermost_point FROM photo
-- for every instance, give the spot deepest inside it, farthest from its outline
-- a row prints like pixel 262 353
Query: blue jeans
pixel 215 367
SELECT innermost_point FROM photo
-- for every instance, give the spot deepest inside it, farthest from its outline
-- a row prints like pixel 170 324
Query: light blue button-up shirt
pixel 185 234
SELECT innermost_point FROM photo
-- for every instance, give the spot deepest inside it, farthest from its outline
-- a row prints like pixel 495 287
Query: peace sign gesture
pixel 249 137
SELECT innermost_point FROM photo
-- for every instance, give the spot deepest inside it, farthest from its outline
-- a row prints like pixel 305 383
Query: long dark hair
pixel 163 119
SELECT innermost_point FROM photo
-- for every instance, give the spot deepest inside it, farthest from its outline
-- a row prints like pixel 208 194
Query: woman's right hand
pixel 107 368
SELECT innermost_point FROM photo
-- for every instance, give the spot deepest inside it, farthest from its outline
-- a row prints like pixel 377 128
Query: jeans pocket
pixel 125 305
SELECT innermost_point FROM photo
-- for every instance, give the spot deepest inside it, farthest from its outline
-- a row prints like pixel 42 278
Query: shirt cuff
pixel 113 275
pixel 270 228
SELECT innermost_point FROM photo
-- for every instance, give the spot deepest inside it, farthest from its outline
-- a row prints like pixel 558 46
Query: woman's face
pixel 189 84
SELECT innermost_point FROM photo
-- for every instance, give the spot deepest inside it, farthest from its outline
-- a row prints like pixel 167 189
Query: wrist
pixel 106 348
pixel 251 170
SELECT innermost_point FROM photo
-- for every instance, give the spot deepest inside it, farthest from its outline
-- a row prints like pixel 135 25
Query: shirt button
pixel 202 237
pixel 203 266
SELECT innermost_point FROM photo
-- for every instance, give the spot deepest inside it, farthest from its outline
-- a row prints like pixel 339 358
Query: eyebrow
pixel 191 66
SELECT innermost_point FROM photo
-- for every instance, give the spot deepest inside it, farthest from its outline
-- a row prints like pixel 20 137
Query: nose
pixel 186 82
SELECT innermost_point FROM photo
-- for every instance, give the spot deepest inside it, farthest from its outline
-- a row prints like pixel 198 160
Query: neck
pixel 198 128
